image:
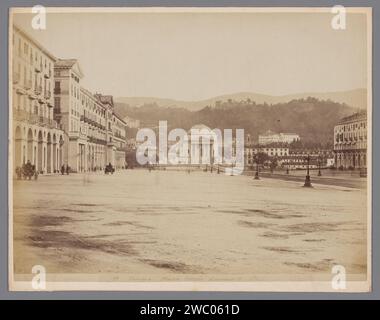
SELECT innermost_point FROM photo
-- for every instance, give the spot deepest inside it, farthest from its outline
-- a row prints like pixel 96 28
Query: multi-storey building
pixel 297 159
pixel 119 140
pixel 271 137
pixel 71 126
pixel 68 112
pixel 273 151
pixel 96 135
pixel 36 136
pixel 350 141
pixel 290 158
pixel 94 118
pixel 115 133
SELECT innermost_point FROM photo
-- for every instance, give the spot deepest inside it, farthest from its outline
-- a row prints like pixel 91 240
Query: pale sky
pixel 195 56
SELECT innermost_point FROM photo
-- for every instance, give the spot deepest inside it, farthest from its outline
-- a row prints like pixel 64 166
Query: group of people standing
pixel 65 169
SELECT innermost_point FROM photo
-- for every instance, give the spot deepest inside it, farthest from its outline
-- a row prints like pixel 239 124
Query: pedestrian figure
pixel 63 169
pixel 19 173
pixel 67 169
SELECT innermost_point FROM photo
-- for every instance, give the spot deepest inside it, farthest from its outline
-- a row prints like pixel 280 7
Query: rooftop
pixel 361 115
pixel 35 42
pixel 107 99
pixel 65 63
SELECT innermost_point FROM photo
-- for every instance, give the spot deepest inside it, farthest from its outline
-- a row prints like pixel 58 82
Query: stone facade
pixel 271 137
pixel 96 135
pixel 36 135
pixel 55 121
pixel 350 142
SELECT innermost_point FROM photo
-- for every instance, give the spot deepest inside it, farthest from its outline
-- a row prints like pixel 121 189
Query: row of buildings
pixel 350 147
pixel 291 159
pixel 270 137
pixel 55 120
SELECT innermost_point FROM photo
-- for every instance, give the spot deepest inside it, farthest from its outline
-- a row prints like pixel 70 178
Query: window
pixel 18 102
pixel 57 87
pixel 57 104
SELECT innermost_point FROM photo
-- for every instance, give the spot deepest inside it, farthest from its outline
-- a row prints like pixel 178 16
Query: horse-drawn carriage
pixel 26 171
pixel 109 169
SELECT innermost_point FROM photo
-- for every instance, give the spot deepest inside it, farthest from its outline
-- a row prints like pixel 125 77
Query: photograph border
pixel 216 286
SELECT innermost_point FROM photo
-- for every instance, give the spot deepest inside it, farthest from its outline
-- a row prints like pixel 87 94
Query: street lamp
pixel 307 179
pixel 257 171
pixel 257 158
pixel 319 166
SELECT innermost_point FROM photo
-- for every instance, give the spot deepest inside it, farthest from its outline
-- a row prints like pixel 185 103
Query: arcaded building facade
pixel 36 135
pixel 350 141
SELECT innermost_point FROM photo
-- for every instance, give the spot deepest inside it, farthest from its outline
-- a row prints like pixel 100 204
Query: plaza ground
pixel 175 225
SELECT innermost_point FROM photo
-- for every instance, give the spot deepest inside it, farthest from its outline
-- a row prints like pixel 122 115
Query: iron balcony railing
pixel 38 90
pixel 97 140
pixel 33 118
pixel 22 115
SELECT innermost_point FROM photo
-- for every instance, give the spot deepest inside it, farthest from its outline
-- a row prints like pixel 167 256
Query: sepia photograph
pixel 190 149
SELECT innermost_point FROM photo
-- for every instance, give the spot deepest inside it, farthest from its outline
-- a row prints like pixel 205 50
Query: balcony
pixel 22 115
pixel 118 135
pixel 73 134
pixel 47 94
pixel 16 77
pixel 38 67
pixel 47 74
pixel 46 122
pixel 38 90
pixel 96 140
pixel 20 91
pixel 84 119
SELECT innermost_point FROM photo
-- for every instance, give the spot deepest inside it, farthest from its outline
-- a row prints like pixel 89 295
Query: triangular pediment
pixel 77 69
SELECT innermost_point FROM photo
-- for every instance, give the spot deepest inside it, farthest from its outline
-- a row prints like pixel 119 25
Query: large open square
pixel 175 225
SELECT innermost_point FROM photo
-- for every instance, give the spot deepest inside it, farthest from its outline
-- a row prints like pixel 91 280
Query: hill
pixel 311 118
pixel 356 98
